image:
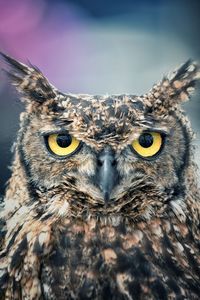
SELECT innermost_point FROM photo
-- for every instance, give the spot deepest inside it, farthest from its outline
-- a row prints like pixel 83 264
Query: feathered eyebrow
pixel 60 122
pixel 162 130
pixel 54 127
pixel 53 131
pixel 149 124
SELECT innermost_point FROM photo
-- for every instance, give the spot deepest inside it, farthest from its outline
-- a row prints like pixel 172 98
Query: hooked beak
pixel 107 176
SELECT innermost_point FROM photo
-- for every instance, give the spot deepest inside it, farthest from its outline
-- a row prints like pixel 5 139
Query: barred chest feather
pixel 155 260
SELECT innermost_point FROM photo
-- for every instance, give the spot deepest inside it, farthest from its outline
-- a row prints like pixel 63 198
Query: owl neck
pixel 192 198
pixel 17 190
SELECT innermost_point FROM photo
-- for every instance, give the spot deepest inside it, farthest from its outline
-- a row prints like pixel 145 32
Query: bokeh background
pixel 95 46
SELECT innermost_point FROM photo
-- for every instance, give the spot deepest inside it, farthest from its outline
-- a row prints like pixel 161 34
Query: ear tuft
pixel 29 81
pixel 185 78
pixel 174 89
pixel 17 66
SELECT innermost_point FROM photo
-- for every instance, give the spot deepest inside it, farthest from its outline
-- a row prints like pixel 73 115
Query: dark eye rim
pixel 58 156
pixel 149 158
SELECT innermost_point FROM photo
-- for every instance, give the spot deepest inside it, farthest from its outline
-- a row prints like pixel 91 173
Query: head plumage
pixel 160 100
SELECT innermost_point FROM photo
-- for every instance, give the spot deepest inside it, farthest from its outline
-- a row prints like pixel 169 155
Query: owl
pixel 103 201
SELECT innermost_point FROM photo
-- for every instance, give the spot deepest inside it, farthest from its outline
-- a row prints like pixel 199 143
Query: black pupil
pixel 64 140
pixel 146 140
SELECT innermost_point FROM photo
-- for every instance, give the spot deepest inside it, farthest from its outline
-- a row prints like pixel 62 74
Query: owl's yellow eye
pixel 148 144
pixel 62 144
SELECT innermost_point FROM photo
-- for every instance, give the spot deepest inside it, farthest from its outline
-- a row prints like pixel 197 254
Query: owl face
pixel 113 157
pixel 104 156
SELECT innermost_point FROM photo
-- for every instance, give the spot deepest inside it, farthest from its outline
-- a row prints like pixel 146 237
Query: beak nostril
pixel 114 162
pixel 99 163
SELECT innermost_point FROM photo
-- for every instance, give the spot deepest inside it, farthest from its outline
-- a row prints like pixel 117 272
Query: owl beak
pixel 107 174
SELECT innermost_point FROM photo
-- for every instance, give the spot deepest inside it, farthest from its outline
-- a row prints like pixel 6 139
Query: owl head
pixel 108 157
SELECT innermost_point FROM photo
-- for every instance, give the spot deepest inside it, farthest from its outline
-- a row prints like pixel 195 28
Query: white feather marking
pixel 178 209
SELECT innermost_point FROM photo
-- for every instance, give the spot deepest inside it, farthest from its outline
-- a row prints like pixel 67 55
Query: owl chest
pixel 117 263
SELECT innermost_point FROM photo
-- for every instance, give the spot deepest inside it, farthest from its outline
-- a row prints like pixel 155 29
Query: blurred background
pixel 98 47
